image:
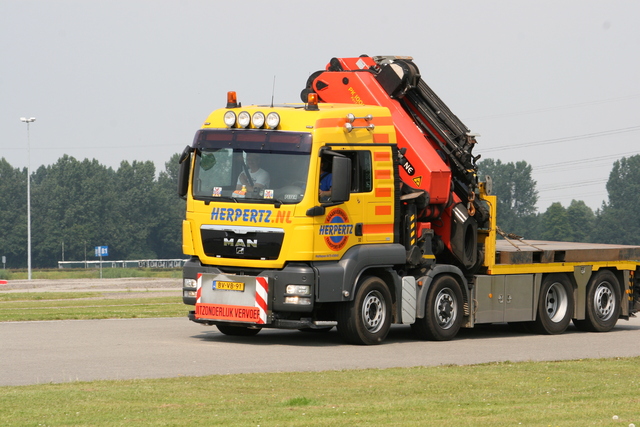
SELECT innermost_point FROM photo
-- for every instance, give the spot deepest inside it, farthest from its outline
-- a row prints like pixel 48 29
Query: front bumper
pixel 214 305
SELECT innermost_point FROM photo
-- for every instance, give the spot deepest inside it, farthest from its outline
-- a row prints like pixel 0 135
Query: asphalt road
pixel 84 350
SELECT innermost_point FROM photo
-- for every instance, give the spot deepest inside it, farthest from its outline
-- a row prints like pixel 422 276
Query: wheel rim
pixel 446 308
pixel 373 311
pixel 556 302
pixel 603 301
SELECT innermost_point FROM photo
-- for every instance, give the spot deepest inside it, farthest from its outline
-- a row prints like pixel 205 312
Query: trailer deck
pixel 541 251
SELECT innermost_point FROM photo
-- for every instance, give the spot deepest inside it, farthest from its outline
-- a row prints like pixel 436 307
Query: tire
pixel 555 305
pixel 443 311
pixel 237 331
pixel 603 303
pixel 367 319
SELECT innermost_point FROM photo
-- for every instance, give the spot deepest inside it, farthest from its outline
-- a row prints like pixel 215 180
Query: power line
pixel 575 196
pixel 98 147
pixel 594 169
pixel 587 160
pixel 573 185
pixel 559 107
pixel 564 139
pixel 547 201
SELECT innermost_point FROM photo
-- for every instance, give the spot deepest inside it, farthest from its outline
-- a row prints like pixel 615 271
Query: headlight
pixel 257 120
pixel 230 119
pixel 298 289
pixel 273 120
pixel 244 119
pixel 189 283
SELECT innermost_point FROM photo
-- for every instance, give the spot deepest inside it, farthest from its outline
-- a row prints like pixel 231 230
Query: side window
pixel 361 173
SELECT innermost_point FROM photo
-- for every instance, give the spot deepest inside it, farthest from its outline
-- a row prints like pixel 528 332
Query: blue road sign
pixel 102 250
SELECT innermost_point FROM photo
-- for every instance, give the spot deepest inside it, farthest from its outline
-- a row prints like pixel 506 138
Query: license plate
pixel 228 286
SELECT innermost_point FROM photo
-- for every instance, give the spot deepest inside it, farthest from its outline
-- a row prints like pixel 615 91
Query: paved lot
pixel 83 285
pixel 85 350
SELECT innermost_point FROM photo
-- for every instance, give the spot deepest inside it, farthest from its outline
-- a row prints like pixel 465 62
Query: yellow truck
pixel 360 208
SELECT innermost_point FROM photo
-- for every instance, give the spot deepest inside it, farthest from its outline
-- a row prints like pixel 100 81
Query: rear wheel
pixel 238 331
pixel 555 305
pixel 603 303
pixel 443 311
pixel 366 319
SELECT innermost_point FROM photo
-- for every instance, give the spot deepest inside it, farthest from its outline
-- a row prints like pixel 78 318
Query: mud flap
pixel 409 296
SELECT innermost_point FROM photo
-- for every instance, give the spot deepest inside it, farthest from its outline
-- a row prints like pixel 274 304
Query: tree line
pixel 77 205
pixel 616 221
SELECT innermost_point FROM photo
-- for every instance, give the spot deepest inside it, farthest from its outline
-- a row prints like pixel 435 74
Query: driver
pixel 259 176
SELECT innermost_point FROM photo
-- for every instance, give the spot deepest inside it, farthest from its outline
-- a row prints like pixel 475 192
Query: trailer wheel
pixel 366 319
pixel 443 311
pixel 237 331
pixel 555 305
pixel 603 303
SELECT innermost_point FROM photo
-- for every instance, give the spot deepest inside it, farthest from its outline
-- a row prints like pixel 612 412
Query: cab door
pixel 368 216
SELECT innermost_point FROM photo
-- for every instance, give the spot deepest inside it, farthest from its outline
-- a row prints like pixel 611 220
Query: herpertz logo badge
pixel 336 230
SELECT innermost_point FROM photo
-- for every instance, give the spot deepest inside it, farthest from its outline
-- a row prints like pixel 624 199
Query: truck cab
pixel 277 253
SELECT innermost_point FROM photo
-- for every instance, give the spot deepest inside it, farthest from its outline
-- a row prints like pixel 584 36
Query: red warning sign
pixel 233 313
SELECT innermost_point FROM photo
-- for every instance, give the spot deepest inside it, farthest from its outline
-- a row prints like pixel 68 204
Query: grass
pixel 92 273
pixel 87 305
pixel 38 296
pixel 567 393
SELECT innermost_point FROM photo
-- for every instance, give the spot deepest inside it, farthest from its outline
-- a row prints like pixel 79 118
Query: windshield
pixel 270 167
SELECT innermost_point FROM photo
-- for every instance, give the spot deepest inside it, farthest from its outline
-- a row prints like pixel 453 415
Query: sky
pixel 553 83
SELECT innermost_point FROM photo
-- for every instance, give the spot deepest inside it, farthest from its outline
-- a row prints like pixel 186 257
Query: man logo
pixel 241 244
pixel 239 250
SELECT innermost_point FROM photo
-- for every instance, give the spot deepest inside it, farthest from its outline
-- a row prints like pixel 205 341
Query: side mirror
pixel 341 180
pixel 185 154
pixel 185 171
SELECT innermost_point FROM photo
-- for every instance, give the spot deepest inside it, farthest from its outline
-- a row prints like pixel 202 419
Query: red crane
pixel 436 146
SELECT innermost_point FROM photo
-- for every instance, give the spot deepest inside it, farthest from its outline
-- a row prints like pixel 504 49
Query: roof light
pixel 312 102
pixel 244 119
pixel 232 100
pixel 230 119
pixel 273 120
pixel 257 120
pixel 352 118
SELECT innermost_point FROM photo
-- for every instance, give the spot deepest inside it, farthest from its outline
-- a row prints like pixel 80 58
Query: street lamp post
pixel 28 121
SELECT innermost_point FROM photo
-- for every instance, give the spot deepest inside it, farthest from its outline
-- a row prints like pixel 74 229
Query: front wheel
pixel 555 305
pixel 366 319
pixel 443 311
pixel 237 331
pixel 603 303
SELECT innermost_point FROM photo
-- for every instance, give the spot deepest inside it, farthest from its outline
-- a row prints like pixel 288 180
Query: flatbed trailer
pixel 539 258
pixel 590 279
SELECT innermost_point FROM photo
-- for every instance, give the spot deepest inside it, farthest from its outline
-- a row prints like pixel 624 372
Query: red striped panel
pixel 377 229
pixel 382 174
pixel 381 156
pixel 383 210
pixel 383 192
pixel 381 138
